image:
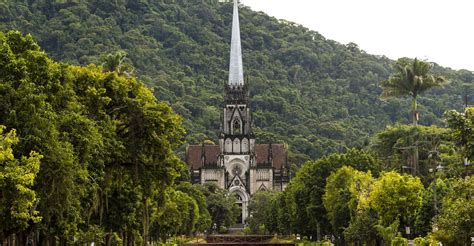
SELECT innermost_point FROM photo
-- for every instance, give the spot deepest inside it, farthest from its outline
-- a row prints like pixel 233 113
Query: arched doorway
pixel 242 201
pixel 239 219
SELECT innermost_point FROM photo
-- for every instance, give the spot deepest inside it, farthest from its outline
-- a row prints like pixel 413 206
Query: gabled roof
pixel 199 155
pixel 278 153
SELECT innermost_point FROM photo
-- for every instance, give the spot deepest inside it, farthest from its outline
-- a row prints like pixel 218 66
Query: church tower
pixel 236 137
pixel 237 163
pixel 236 140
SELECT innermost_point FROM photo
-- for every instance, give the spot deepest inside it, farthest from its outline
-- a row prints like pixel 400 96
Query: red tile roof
pixel 195 153
pixel 193 156
pixel 279 155
pixel 261 153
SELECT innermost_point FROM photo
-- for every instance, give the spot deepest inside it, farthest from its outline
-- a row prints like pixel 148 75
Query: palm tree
pixel 117 62
pixel 411 79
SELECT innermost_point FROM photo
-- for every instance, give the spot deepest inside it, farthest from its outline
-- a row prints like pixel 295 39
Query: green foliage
pixel 431 205
pixel 362 227
pixel 109 167
pixel 107 146
pixel 203 222
pixel 222 207
pixel 454 224
pixel 303 198
pixel 17 175
pixel 260 207
pixel 390 232
pixel 396 197
pixel 305 88
pixel 462 125
pixel 425 241
pixel 342 192
pixel 411 79
pixel 179 216
pixel 399 241
pixel 396 145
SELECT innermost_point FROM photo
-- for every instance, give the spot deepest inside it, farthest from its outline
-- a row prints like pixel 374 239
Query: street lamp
pixel 438 167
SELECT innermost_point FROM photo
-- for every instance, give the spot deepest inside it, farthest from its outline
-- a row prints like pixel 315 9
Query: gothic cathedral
pixel 238 164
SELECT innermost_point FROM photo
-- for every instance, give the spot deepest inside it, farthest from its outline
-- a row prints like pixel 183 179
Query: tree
pixel 195 191
pixel 454 225
pixel 178 217
pixel 396 144
pixel 341 197
pixel 396 197
pixel 260 208
pixel 107 144
pixel 362 226
pixel 18 200
pixel 116 62
pixel 432 197
pixel 305 193
pixel 411 79
pixel 222 207
pixel 462 127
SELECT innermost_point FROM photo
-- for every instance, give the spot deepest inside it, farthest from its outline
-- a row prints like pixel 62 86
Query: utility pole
pixel 409 156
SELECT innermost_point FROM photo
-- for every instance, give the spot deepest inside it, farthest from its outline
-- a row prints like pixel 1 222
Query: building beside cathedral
pixel 238 164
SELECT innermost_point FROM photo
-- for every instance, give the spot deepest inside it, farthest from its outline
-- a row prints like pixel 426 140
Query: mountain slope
pixel 315 94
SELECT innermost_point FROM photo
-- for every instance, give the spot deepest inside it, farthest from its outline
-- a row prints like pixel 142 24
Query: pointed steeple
pixel 236 70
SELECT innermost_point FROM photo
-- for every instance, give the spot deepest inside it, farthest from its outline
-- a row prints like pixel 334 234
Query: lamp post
pixel 434 155
pixel 407 153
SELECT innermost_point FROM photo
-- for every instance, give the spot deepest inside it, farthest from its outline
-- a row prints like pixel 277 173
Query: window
pixel 237 127
pixel 237 171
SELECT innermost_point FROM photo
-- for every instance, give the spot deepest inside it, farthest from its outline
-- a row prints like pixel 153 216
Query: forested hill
pixel 315 94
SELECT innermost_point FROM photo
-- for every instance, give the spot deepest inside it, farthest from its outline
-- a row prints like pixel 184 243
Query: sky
pixel 440 31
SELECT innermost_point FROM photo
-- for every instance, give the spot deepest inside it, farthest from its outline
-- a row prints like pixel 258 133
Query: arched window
pixel 237 127
pixel 245 145
pixel 228 145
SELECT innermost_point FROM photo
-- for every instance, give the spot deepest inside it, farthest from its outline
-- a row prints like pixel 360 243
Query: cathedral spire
pixel 236 70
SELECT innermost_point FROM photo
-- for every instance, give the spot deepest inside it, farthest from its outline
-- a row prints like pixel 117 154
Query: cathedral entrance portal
pixel 242 202
pixel 239 219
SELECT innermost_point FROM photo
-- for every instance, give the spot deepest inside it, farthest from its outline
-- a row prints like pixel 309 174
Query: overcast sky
pixel 440 31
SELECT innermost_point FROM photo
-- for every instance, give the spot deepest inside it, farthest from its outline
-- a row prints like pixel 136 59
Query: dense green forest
pixel 315 94
pixel 97 104
pixel 88 155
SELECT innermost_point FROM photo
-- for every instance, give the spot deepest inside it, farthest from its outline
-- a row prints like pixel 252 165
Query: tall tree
pixel 411 79
pixel 455 222
pixel 17 198
pixel 107 144
pixel 462 127
pixel 396 197
pixel 341 197
pixel 260 207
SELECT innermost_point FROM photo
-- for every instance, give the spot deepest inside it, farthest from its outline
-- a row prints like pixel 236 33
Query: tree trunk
pixel 415 152
pixel 108 239
pixel 124 239
pixel 63 241
pixel 414 113
pixel 146 222
pixel 318 231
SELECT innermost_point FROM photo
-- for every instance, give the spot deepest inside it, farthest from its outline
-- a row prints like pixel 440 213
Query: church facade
pixel 238 164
